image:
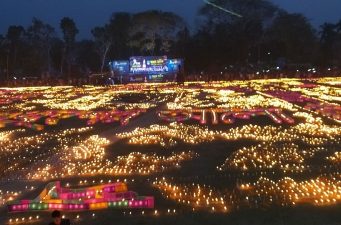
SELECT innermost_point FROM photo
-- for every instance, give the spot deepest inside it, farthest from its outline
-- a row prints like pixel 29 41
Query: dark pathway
pixel 145 120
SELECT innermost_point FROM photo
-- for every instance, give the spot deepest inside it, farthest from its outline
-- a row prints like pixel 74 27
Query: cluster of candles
pixel 224 116
pixel 319 191
pixel 24 220
pixel 26 107
pixel 287 156
pixel 16 151
pixel 332 111
pixel 92 148
pixel 86 102
pixel 258 100
pixel 6 196
pixel 22 143
pixel 88 158
pixel 31 149
pixel 87 98
pixel 79 217
pixel 153 139
pixel 322 92
pixel 311 133
pixel 334 81
pixel 185 133
pixel 186 99
pixel 320 99
pixel 6 135
pixel 85 158
pixel 143 164
pixel 222 97
pixel 335 158
pixel 195 196
pixel 52 117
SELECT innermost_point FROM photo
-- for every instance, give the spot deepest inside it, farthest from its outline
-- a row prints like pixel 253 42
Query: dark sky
pixel 90 13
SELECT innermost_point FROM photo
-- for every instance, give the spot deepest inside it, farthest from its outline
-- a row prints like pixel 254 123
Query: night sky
pixel 90 13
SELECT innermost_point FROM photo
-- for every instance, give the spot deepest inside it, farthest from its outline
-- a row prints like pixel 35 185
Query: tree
pixel 15 35
pixel 87 57
pixel 3 57
pixel 338 44
pixel 155 32
pixel 291 36
pixel 183 41
pixel 69 29
pixel 113 35
pixel 330 43
pixel 103 39
pixel 120 24
pixel 40 36
pixel 228 39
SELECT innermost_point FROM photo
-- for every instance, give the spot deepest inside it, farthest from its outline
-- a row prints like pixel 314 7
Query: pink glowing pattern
pixel 54 197
pixel 52 117
pixel 224 116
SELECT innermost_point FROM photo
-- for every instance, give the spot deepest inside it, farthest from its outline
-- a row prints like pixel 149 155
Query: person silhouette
pixel 57 219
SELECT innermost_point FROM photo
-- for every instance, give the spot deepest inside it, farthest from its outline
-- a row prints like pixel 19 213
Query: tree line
pixel 266 36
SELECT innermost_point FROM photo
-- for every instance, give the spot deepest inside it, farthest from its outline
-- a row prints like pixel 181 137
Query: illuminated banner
pixel 148 65
pixel 121 67
pixel 173 65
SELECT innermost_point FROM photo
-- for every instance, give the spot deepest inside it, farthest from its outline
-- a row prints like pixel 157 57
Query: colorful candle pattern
pixel 54 197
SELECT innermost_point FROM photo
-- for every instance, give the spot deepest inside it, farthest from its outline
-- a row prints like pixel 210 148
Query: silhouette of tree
pixel 155 32
pixel 113 35
pixel 40 36
pixel 15 35
pixel 291 36
pixel 69 29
